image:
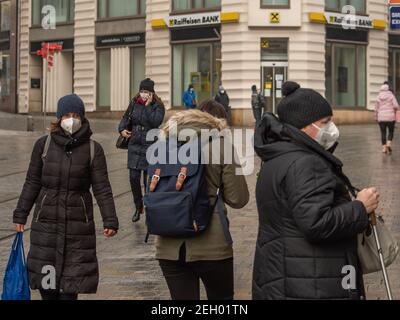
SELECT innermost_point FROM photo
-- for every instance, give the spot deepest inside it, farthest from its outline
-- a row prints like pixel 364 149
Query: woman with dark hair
pixel 146 112
pixel 64 166
pixel 208 256
pixel 214 108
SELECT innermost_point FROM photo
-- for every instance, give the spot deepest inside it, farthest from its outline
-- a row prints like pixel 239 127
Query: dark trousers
pixel 183 278
pixel 257 112
pixel 385 127
pixel 136 186
pixel 57 295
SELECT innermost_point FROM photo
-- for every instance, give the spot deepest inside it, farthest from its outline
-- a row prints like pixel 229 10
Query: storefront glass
pixel 198 64
pixel 64 10
pixel 137 66
pixel 104 78
pixel 394 70
pixel 4 75
pixel 346 75
pixel 5 15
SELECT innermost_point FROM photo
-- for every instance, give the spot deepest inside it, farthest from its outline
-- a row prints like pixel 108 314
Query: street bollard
pixel 30 124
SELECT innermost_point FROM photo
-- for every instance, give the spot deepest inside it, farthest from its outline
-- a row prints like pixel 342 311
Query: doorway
pixel 273 76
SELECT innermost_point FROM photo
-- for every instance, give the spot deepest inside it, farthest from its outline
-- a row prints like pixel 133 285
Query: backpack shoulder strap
pixel 46 146
pixel 91 151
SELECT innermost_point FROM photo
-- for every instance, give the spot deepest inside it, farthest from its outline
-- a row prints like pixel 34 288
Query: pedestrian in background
pixel 190 97
pixel 386 107
pixel 257 104
pixel 58 181
pixel 208 256
pixel 146 111
pixel 308 223
pixel 223 98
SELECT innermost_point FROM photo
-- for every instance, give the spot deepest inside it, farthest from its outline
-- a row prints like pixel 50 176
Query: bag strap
pixel 46 147
pixel 219 204
pixel 91 151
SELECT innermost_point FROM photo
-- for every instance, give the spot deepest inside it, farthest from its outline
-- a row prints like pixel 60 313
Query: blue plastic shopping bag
pixel 16 281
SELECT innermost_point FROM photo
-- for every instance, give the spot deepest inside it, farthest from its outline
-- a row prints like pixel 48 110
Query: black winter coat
pixel 223 99
pixel 143 119
pixel 63 230
pixel 308 224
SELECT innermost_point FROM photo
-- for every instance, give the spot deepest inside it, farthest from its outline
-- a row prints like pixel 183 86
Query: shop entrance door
pixel 273 75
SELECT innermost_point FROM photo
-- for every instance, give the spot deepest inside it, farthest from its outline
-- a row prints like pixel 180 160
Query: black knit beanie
pixel 147 84
pixel 70 103
pixel 300 107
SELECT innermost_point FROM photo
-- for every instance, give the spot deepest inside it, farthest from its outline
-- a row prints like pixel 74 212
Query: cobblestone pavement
pixel 127 267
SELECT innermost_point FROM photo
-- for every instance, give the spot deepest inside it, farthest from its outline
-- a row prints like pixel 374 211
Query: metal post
pixel 44 93
pixel 381 258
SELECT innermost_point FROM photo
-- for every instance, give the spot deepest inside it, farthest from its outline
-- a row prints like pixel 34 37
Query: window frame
pixel 362 13
pixel 277 6
pixel 131 52
pixel 333 88
pixel 108 18
pixel 193 9
pixel 68 22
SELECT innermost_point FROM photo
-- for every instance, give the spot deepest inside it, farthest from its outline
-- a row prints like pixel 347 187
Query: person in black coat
pixel 63 233
pixel 146 112
pixel 308 223
pixel 223 98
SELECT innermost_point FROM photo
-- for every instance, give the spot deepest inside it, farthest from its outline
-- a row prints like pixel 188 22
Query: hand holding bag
pixel 122 142
pixel 16 281
pixel 368 252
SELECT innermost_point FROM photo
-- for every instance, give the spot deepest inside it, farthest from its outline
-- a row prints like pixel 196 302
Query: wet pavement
pixel 128 269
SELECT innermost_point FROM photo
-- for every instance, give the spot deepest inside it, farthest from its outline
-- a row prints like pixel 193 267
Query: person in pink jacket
pixel 385 113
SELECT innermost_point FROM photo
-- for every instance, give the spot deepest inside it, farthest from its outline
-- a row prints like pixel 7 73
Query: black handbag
pixel 122 142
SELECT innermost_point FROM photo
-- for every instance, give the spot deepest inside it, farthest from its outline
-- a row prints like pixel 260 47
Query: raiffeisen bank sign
pixel 194 19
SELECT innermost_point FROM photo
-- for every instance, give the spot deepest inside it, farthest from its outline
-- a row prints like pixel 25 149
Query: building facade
pixel 344 49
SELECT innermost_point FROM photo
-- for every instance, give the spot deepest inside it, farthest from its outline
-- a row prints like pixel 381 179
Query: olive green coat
pixel 210 245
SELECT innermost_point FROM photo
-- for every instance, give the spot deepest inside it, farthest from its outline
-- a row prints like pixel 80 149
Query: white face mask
pixel 144 96
pixel 71 125
pixel 222 91
pixel 328 135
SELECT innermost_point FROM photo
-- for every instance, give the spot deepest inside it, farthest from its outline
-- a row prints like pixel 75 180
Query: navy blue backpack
pixel 176 200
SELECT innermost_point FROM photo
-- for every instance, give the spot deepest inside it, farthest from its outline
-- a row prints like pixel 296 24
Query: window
pixel 4 75
pixel 121 8
pixel 275 3
pixel 274 49
pixel 64 10
pixel 104 78
pixel 186 5
pixel 5 15
pixel 345 74
pixel 198 64
pixel 337 5
pixel 137 66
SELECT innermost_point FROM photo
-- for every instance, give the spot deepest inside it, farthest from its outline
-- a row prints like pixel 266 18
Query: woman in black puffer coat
pixel 308 224
pixel 63 232
pixel 147 112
